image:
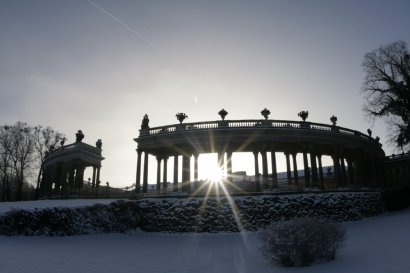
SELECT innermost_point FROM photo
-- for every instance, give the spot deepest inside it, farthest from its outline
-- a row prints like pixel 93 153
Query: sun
pixel 210 170
pixel 215 175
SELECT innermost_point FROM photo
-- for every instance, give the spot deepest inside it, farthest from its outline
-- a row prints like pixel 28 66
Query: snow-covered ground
pixel 375 245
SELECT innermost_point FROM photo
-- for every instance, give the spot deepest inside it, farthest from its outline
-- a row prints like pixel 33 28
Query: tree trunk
pixel 40 172
pixel 4 188
pixel 19 186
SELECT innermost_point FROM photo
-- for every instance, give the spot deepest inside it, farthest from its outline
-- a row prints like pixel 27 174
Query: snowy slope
pixel 377 245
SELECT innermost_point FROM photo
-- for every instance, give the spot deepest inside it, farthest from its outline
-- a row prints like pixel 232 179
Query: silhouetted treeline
pixel 22 150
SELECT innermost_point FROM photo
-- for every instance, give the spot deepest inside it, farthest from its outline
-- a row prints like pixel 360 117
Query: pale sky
pixel 100 65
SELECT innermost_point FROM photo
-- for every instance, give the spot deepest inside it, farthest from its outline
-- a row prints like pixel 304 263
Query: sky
pixel 99 65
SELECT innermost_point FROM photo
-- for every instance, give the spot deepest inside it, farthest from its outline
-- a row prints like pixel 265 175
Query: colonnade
pixel 64 178
pixel 350 170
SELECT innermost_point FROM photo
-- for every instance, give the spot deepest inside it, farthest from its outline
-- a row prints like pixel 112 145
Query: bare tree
pixel 22 154
pixel 44 140
pixel 386 88
pixel 5 162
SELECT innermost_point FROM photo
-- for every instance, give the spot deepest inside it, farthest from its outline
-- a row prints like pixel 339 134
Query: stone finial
pixel 98 144
pixel 265 113
pixel 303 115
pixel 223 113
pixel 145 122
pixel 181 117
pixel 79 136
pixel 333 119
pixel 369 132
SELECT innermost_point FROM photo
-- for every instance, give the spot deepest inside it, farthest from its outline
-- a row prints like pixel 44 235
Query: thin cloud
pixel 121 23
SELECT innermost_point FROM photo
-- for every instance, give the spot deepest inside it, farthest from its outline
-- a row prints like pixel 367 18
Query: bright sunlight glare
pixel 209 168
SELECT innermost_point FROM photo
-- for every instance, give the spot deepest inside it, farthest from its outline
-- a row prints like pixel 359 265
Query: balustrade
pixel 285 124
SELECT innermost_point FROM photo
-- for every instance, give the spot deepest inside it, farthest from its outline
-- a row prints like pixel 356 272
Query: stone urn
pixel 223 113
pixel 333 119
pixel 265 113
pixel 303 115
pixel 181 117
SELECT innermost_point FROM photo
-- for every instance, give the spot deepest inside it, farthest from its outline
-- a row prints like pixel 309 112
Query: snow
pixel 378 245
pixel 40 204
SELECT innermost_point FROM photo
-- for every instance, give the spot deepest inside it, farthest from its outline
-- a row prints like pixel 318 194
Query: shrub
pixel 396 199
pixel 302 241
pixel 115 217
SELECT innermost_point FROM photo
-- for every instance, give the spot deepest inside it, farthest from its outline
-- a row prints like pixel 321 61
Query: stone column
pixel 306 170
pixel 145 178
pixel 93 179
pixel 52 179
pixel 221 162
pixel 196 173
pixel 274 170
pixel 77 177
pixel 165 175
pixel 158 188
pixel 336 167
pixel 43 184
pixel 265 170
pixel 82 176
pixel 175 185
pixel 313 167
pixel 321 180
pixel 138 174
pixel 350 172
pixel 63 181
pixel 57 186
pixel 288 171
pixel 186 173
pixel 295 169
pixel 343 171
pixel 229 176
pixel 98 177
pixel 71 176
pixel 255 156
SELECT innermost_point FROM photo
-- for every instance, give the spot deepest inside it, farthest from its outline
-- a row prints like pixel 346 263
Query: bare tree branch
pixel 386 89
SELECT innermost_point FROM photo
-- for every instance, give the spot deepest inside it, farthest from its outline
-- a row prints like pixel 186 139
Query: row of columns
pixel 63 178
pixel 357 170
pixel 162 162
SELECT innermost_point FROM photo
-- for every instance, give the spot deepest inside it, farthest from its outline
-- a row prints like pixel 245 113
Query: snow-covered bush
pixel 396 199
pixel 253 212
pixel 302 241
pixel 115 217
